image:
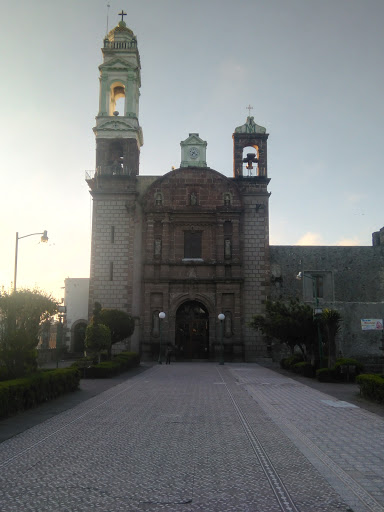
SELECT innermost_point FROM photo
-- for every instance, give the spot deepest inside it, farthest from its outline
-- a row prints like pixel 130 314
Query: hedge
pixel 304 368
pixel 326 375
pixel 345 370
pixel 20 394
pixel 107 369
pixel 288 362
pixel 371 386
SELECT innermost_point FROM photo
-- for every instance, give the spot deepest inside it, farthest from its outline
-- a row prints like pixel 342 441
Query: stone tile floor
pixel 199 437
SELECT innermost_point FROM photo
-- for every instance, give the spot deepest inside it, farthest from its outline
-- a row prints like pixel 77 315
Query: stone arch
pixel 207 304
pixel 250 166
pixel 192 331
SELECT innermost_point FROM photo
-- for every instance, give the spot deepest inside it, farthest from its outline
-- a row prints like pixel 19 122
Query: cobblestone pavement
pixel 199 437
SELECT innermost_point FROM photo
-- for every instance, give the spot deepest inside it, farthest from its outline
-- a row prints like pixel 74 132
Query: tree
pixel 120 323
pixel 79 337
pixel 291 323
pixel 22 313
pixel 331 325
pixel 97 338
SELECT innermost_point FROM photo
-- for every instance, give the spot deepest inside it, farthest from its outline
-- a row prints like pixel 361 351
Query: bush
pixel 107 369
pixel 20 394
pixel 128 359
pixel 346 369
pixel 371 386
pixel 326 375
pixel 288 362
pixel 103 370
pixel 304 368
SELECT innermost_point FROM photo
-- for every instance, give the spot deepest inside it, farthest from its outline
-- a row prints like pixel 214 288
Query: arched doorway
pixel 78 336
pixel 192 331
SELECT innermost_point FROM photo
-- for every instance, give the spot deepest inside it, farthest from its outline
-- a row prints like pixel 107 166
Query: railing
pixel 109 170
pixel 120 45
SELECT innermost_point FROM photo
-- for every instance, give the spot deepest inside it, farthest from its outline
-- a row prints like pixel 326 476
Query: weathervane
pixel 249 108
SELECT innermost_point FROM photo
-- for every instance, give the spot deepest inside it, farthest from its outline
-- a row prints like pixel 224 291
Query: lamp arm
pixel 31 234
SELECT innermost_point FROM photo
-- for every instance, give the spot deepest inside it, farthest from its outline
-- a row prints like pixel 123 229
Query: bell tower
pixel 250 174
pixel 116 233
pixel 118 133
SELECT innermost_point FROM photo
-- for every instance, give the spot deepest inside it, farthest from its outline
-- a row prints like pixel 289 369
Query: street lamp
pixel 317 311
pixel 161 317
pixel 221 318
pixel 59 333
pixel 44 239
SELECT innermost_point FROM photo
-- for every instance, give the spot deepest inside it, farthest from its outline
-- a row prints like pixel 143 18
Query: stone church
pixel 193 243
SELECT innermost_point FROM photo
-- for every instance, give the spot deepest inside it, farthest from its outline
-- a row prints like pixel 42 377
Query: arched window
pixel 158 199
pixel 250 161
pixel 227 199
pixel 227 240
pixel 117 99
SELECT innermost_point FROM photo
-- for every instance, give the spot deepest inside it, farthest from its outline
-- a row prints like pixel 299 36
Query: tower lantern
pixel 118 133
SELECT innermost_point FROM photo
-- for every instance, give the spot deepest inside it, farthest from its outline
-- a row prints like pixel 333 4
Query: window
pixel 227 240
pixel 318 287
pixel 111 271
pixel 157 247
pixel 192 244
pixel 318 284
pixel 158 199
pixel 112 234
pixel 227 249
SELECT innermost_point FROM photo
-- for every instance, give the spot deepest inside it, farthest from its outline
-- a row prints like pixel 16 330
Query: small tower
pixel 252 135
pixel 193 151
pixel 118 133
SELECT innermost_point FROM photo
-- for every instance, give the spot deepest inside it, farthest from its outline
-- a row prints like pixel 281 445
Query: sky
pixel 312 71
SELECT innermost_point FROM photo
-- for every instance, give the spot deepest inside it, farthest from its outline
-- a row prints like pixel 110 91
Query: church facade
pixel 193 243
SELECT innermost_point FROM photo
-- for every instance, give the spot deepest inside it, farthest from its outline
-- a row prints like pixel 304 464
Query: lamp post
pixel 317 311
pixel 44 239
pixel 59 333
pixel 221 318
pixel 161 317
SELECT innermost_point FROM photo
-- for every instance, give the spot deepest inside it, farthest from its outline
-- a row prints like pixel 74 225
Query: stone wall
pixel 112 250
pixel 356 277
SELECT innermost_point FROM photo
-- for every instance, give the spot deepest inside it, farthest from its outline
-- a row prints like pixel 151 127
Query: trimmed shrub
pixel 326 375
pixel 346 369
pixel 21 394
pixel 103 370
pixel 304 368
pixel 107 369
pixel 371 386
pixel 288 362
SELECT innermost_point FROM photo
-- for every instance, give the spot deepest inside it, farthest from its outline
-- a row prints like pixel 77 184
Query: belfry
pixel 192 244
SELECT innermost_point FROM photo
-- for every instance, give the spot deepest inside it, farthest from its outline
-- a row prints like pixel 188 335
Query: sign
pixel 371 324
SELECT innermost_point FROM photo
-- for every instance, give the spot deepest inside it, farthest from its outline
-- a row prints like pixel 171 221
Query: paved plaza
pixel 199 437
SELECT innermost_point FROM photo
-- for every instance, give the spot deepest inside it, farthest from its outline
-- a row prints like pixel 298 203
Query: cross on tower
pixel 122 14
pixel 249 108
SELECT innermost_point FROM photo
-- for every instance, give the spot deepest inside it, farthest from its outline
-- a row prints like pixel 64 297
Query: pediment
pixel 116 124
pixel 193 139
pixel 117 64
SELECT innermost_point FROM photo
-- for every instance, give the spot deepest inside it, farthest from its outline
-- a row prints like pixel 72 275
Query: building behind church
pixel 194 243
